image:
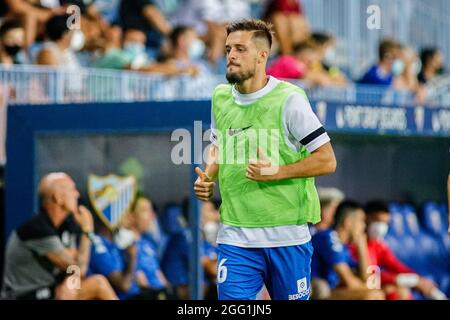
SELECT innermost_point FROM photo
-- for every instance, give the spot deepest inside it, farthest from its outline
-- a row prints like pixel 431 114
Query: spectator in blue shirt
pixel 116 264
pixel 335 273
pixel 389 66
pixel 149 276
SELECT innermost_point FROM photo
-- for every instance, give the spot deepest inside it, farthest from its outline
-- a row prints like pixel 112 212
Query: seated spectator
pixel 175 261
pixel 407 80
pixel 335 273
pixel 290 25
pixel 58 50
pixel 210 220
pixel 209 19
pixel 143 15
pixel 39 252
pixel 432 64
pixel 187 50
pixel 12 41
pixel 392 269
pixel 133 56
pixel 114 256
pixel 33 16
pixel 330 198
pixel 389 65
pixel 326 45
pixel 149 276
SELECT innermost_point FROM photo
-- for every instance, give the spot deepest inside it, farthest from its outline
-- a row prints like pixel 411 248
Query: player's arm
pixel 123 280
pixel 204 185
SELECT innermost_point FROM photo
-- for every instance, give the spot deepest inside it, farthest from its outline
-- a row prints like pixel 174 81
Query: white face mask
pixel 124 238
pixel 330 57
pixel 77 41
pixel 196 49
pixel 377 230
pixel 210 229
pixel 397 67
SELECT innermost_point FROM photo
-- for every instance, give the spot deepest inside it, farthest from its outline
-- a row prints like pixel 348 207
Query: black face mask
pixel 12 50
pixel 440 71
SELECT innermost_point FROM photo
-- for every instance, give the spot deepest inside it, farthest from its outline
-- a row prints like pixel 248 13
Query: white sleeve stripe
pixel 318 142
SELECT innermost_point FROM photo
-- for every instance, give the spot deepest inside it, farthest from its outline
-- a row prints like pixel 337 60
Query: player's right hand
pixel 203 186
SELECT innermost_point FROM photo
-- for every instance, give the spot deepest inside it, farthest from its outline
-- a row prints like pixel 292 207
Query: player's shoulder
pixel 222 89
pixel 37 227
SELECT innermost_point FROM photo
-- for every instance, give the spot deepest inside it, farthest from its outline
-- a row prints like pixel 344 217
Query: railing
pixel 30 84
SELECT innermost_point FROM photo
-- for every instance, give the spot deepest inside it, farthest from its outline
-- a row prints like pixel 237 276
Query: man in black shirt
pixel 48 256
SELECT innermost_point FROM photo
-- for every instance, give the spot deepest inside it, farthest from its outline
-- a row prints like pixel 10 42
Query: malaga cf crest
pixel 111 196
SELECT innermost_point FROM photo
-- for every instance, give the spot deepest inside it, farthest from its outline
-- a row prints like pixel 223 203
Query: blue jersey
pixel 375 76
pixel 148 262
pixel 107 258
pixel 328 252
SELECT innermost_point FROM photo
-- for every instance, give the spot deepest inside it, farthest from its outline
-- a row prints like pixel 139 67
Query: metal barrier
pixel 31 84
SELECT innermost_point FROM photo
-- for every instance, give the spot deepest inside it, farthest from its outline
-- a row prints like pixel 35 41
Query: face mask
pixel 416 67
pixel 196 49
pixel 397 67
pixel 124 238
pixel 210 229
pixel 77 41
pixel 377 230
pixel 12 50
pixel 330 56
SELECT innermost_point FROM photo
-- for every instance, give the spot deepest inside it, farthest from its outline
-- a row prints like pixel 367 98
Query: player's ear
pixel 262 56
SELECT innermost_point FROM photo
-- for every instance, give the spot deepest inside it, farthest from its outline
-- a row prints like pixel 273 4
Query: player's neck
pixel 257 82
pixel 343 235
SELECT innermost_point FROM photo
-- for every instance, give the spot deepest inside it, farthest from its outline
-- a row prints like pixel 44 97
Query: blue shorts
pixel 286 272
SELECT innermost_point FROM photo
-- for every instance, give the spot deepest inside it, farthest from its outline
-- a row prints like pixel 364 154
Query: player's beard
pixel 239 77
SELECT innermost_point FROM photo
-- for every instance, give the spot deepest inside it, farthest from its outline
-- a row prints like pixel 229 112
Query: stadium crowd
pixel 147 255
pixel 188 36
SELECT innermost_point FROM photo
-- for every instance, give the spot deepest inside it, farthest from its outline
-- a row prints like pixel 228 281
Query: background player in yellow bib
pixel 263 236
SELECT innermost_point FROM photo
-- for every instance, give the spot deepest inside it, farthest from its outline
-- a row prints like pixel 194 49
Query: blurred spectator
pixel 294 66
pixel 30 13
pixel 389 66
pixel 143 15
pixel 210 220
pixel 209 19
pixel 61 44
pixel 40 252
pixel 175 261
pixel 289 23
pixel 133 56
pixel 115 257
pixel 12 41
pixel 330 198
pixel 432 64
pixel 407 80
pixel 149 276
pixel 326 45
pixel 188 50
pixel 395 276
pixel 448 202
pixel 333 266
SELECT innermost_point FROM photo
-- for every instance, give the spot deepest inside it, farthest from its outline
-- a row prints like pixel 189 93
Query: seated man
pixel 149 276
pixel 335 274
pixel 395 276
pixel 175 261
pixel 115 259
pixel 42 253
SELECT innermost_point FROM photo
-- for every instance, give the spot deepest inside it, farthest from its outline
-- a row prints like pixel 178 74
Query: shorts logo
pixel 302 290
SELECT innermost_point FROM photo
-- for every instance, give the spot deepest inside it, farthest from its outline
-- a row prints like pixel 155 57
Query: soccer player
pixel 267 200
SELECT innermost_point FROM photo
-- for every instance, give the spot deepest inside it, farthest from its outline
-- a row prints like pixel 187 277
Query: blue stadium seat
pixel 432 219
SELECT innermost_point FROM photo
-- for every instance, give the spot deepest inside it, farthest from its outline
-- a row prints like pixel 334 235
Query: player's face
pixel 242 56
pixel 359 221
pixel 68 194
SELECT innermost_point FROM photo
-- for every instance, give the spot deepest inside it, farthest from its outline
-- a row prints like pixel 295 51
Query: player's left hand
pixel 262 169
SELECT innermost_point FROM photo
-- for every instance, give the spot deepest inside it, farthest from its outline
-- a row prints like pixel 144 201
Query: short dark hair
pixel 177 33
pixel 321 38
pixel 8 25
pixel 56 26
pixel 427 54
pixel 376 206
pixel 345 209
pixel 387 45
pixel 260 28
pixel 305 45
